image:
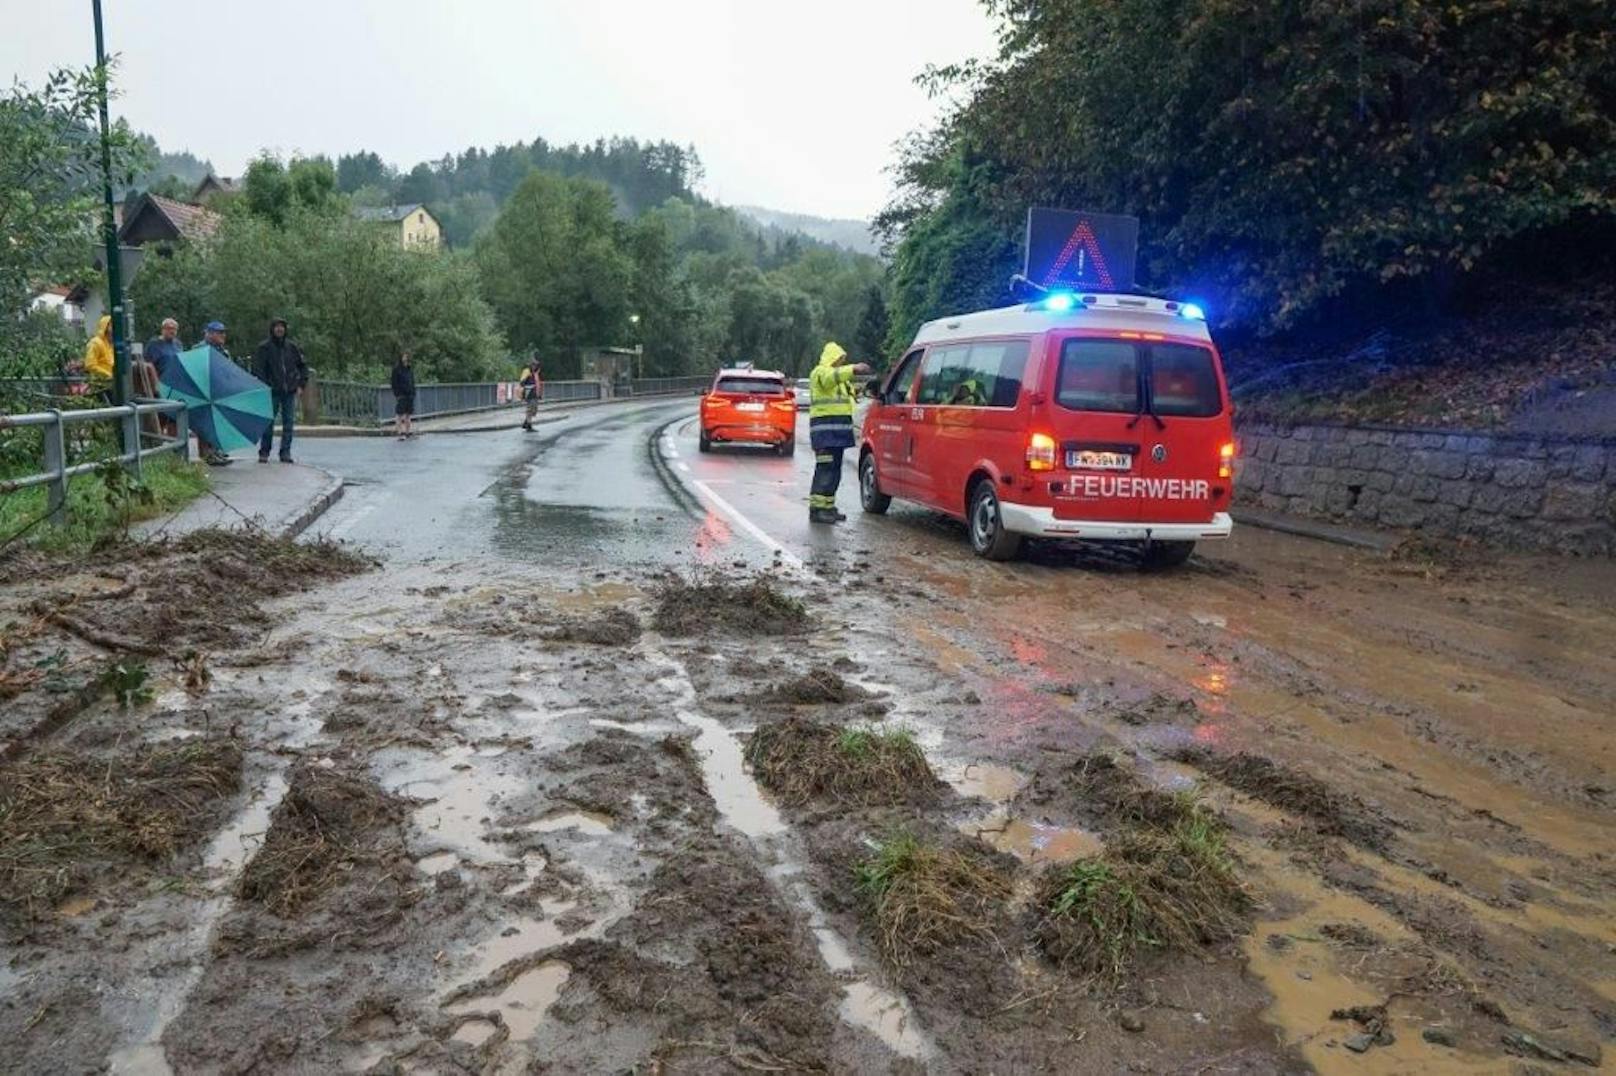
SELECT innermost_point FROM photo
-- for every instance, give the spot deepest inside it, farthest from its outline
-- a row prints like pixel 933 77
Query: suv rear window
pixel 1104 375
pixel 766 386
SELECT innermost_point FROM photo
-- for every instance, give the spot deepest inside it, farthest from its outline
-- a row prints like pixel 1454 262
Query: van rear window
pixel 1104 375
pixel 1183 381
pixel 768 386
pixel 1099 375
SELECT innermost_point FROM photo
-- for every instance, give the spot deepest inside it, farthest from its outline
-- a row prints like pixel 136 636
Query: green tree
pixel 1277 154
pixel 870 339
pixel 362 169
pixel 275 191
pixel 50 187
pixel 555 271
pixel 352 296
pixel 663 302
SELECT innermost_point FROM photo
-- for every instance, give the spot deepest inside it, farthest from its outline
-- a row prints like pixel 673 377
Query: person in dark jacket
pixel 278 363
pixel 404 394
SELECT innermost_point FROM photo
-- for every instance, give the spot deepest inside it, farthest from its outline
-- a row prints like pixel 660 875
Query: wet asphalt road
pixel 582 489
pixel 612 485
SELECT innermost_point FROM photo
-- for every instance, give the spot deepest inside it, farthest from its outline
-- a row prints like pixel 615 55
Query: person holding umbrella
pixel 278 363
pixel 226 406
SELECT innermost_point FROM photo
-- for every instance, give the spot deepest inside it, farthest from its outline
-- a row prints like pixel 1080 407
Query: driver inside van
pixel 968 392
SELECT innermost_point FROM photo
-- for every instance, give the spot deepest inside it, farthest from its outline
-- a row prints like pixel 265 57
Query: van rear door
pixel 1096 421
pixel 1141 421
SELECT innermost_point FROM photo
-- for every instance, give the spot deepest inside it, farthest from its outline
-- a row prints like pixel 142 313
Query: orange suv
pixel 747 406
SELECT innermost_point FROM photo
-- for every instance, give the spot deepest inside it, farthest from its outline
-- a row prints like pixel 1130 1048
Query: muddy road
pixel 566 783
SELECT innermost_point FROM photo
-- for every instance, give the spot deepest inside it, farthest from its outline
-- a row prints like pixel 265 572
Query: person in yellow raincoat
pixel 830 427
pixel 98 354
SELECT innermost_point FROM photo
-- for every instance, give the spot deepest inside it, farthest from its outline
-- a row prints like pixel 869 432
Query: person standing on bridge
pixel 532 391
pixel 830 427
pixel 279 363
pixel 404 394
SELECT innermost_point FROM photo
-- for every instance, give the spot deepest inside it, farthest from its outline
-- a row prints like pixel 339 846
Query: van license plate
pixel 1089 460
pixel 748 407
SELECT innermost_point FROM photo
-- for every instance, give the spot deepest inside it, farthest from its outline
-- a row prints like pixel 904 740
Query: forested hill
pixel 854 235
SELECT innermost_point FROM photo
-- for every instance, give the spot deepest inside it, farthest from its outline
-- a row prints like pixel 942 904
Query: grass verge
pixel 923 897
pixel 66 817
pixel 800 761
pixel 94 513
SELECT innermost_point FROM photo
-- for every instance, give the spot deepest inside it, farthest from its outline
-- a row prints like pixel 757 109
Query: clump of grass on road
pixel 1338 814
pixel 714 604
pixel 800 761
pixel 65 818
pixel 319 832
pixel 924 897
pixel 1166 881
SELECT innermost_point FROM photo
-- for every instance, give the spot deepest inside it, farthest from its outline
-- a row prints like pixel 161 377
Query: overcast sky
pixel 792 104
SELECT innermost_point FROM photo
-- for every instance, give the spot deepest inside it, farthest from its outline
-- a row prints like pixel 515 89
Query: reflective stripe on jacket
pixel 830 401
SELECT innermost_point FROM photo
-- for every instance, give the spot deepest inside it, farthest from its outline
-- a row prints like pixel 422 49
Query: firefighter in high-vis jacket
pixel 830 427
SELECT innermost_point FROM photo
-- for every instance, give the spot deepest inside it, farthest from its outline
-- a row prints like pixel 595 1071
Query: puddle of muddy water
pixel 1034 842
pixel 237 842
pixel 887 1016
pixel 986 781
pixel 524 1001
pixel 592 823
pixel 474 1032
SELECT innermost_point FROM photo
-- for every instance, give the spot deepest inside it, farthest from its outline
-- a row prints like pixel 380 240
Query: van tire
pixel 871 499
pixel 986 524
pixel 788 448
pixel 704 443
pixel 1159 555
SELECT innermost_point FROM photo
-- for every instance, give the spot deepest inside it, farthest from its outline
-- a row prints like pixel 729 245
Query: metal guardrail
pixel 55 422
pixel 357 402
pixel 668 386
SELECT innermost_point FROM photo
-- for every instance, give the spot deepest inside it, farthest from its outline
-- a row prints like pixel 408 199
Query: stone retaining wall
pixel 1508 490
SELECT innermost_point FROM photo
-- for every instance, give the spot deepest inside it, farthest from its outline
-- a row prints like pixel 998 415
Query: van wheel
pixel 704 443
pixel 789 448
pixel 1159 555
pixel 988 536
pixel 870 496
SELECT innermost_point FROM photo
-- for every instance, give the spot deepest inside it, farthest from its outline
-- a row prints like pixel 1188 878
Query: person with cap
pixel 279 363
pixel 830 427
pixel 213 336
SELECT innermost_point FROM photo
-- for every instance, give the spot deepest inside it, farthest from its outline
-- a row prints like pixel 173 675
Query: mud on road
pixel 1292 807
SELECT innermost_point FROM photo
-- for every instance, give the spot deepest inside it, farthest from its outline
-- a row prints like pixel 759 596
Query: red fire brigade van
pixel 1079 416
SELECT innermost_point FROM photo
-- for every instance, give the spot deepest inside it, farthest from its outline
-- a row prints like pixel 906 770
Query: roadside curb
pixel 301 521
pixel 1334 533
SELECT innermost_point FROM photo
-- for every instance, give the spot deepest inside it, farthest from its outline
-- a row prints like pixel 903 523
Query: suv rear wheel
pixel 1160 555
pixel 870 496
pixel 704 443
pixel 986 523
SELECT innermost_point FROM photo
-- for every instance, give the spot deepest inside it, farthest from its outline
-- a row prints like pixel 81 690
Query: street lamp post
pixel 121 389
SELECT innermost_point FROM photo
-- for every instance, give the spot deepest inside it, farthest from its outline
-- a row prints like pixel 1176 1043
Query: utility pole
pixel 121 387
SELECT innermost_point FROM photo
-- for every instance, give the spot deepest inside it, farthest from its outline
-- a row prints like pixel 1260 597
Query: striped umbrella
pixel 228 406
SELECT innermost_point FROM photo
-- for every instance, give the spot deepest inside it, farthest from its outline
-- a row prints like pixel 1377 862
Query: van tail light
pixel 1226 461
pixel 1040 452
pixel 716 401
pixel 786 405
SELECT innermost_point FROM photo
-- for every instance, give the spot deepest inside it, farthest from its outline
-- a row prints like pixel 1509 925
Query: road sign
pixel 1077 249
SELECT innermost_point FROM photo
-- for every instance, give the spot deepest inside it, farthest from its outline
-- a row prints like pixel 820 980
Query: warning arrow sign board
pixel 1076 249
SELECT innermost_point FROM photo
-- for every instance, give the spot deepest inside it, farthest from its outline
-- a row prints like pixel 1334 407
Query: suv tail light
pixel 1226 461
pixel 1040 452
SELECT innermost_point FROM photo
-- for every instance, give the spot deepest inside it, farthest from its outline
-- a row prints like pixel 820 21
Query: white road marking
pixel 788 558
